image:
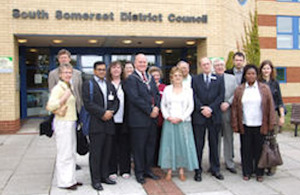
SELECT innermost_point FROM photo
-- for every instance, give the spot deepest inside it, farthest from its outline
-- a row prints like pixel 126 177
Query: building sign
pixel 6 65
pixel 109 16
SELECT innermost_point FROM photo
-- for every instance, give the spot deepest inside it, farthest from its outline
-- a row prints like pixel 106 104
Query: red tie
pixel 144 77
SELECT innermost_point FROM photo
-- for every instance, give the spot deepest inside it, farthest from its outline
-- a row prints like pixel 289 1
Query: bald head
pixel 140 62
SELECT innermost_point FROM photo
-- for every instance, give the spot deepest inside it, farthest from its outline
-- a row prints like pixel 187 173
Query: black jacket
pixel 96 107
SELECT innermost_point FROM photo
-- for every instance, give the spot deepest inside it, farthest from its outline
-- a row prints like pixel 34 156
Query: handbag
pixel 270 155
pixel 46 126
pixel 82 142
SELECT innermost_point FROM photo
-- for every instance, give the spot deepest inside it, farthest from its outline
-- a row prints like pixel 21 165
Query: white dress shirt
pixel 118 117
pixel 103 87
pixel 251 101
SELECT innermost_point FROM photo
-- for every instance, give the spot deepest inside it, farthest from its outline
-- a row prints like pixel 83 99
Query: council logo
pixel 242 2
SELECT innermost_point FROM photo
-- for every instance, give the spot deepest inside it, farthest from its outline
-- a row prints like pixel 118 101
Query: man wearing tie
pixel 208 96
pixel 143 108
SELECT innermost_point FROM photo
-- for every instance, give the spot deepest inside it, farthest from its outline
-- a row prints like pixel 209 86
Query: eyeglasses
pixel 101 69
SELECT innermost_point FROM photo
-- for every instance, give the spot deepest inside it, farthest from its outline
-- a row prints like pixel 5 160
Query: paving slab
pixel 28 185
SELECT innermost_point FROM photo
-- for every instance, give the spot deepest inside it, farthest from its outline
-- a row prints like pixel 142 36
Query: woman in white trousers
pixel 62 103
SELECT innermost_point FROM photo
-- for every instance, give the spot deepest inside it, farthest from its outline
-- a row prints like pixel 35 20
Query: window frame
pixel 284 69
pixel 295 32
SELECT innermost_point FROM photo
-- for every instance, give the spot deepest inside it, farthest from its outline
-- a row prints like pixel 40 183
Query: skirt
pixel 177 147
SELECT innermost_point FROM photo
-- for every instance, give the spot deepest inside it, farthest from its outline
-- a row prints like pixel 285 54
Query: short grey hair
pixel 217 61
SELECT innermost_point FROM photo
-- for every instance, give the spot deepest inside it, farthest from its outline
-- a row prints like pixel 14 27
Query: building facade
pixel 166 31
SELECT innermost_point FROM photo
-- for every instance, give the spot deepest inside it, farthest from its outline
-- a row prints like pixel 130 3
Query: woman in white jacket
pixel 177 143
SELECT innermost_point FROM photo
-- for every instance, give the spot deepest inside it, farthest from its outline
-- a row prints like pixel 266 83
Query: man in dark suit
pixel 143 109
pixel 238 69
pixel 208 96
pixel 105 103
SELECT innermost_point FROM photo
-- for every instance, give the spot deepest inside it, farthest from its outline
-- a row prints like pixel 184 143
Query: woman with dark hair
pixel 128 69
pixel 120 159
pixel 267 76
pixel 253 116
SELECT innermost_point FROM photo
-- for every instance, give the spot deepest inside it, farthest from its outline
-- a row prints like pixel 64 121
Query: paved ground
pixel 27 168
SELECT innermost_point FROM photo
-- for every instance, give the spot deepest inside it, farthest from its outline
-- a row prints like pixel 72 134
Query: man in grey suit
pixel 230 85
pixel 64 57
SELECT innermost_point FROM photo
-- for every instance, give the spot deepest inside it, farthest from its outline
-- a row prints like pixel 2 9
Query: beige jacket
pixel 76 83
pixel 54 102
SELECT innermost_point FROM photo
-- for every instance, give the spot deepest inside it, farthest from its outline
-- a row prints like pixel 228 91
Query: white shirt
pixel 187 82
pixel 118 117
pixel 103 87
pixel 251 101
pixel 177 105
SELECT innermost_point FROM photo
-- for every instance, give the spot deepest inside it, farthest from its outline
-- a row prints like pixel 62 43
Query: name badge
pixel 111 97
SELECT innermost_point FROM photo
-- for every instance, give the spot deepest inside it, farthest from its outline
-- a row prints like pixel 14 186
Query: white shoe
pixel 113 177
pixel 126 176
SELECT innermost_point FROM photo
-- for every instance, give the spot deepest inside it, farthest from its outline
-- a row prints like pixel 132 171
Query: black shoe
pixel 108 181
pixel 97 186
pixel 218 175
pixel 152 176
pixel 78 167
pixel 231 170
pixel 198 177
pixel 72 187
pixel 140 179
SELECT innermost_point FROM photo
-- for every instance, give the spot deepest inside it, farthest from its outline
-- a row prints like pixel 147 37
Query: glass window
pixel 169 57
pixel 284 24
pixel 285 41
pixel 281 74
pixel 288 32
pixel 121 58
pixel 87 63
pixel 151 60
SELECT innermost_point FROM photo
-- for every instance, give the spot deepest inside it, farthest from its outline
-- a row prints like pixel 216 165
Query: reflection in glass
pixel 36 103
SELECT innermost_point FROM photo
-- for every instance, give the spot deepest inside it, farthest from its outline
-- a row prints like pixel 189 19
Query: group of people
pixel 134 115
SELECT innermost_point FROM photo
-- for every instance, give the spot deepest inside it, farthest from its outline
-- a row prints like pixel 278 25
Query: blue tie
pixel 207 81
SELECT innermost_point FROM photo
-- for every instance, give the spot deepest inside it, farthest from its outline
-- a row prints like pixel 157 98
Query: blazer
pixel 76 83
pixel 230 85
pixel 140 99
pixel 96 107
pixel 268 111
pixel 230 71
pixel 212 97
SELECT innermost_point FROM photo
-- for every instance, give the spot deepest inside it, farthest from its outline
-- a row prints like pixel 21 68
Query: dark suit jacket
pixel 139 100
pixel 96 107
pixel 203 96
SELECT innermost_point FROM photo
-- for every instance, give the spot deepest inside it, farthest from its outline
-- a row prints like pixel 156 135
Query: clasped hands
pixel 206 111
